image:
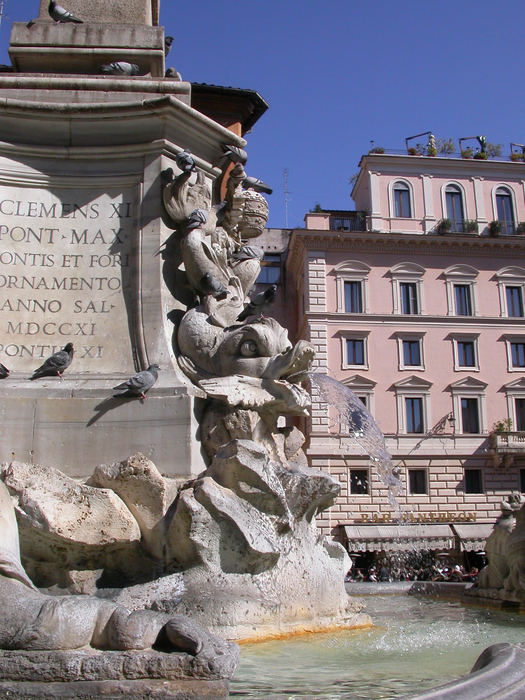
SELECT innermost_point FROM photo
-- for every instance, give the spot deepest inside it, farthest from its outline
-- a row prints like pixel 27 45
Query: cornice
pixel 401 243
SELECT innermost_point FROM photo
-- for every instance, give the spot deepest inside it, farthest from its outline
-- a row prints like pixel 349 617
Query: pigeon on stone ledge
pixel 4 372
pixel 252 183
pixel 249 252
pixel 235 154
pixel 184 161
pixel 168 41
pixel 119 68
pixel 61 15
pixel 211 285
pixel 196 219
pixel 260 304
pixel 139 383
pixel 173 73
pixel 56 364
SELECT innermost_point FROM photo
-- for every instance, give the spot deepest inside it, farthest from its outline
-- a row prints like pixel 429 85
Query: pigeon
pixel 249 252
pixel 60 15
pixel 56 364
pixel 260 303
pixel 235 154
pixel 168 41
pixel 139 383
pixel 119 68
pixel 4 372
pixel 173 73
pixel 184 161
pixel 196 219
pixel 211 285
pixel 252 183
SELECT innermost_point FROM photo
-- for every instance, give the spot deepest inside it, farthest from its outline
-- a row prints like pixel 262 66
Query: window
pixel 461 290
pixel 473 481
pixel 417 481
pixel 504 211
pixel 520 414
pixel 351 283
pixel 355 351
pixel 408 293
pixel 353 297
pixel 466 353
pixel 462 298
pixel 270 270
pixel 401 195
pixel 517 352
pixel 407 288
pixel 514 297
pixel 414 414
pixel 412 353
pixel 359 482
pixel 413 405
pixel 363 388
pixel 470 416
pixel 522 480
pixel 454 208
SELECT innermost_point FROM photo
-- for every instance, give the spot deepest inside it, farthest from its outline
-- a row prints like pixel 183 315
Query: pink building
pixel 416 302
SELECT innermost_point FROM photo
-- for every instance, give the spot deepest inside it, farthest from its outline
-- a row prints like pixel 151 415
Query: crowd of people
pixel 387 573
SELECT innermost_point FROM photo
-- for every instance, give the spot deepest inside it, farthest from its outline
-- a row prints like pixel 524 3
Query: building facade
pixel 416 303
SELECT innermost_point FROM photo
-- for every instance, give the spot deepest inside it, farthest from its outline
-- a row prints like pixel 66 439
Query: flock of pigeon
pixel 57 363
pixel 61 16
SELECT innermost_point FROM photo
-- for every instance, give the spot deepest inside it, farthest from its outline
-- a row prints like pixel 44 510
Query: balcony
pixel 345 221
pixel 504 446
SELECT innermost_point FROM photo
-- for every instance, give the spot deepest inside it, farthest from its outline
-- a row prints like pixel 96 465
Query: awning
pixel 472 536
pixel 398 538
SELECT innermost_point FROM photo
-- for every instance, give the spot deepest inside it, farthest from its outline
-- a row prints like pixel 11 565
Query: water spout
pixel 352 413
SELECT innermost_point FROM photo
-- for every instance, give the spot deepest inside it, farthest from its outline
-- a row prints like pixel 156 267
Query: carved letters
pixel 64 276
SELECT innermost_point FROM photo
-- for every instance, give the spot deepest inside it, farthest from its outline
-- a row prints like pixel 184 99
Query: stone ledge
pixel 117 690
pixel 93 665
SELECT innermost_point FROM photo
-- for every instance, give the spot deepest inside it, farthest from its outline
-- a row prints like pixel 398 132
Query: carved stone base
pixel 110 674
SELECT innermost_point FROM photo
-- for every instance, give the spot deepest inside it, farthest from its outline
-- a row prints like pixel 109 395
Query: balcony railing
pixel 503 446
pixel 351 221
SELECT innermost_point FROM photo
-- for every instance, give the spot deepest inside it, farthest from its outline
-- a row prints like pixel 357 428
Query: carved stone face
pixel 260 349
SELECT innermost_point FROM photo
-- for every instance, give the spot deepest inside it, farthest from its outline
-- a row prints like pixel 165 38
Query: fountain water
pixel 352 413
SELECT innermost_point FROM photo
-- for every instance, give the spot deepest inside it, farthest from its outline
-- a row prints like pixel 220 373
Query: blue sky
pixel 341 73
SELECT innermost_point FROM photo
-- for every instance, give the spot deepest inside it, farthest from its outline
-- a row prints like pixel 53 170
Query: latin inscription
pixel 64 276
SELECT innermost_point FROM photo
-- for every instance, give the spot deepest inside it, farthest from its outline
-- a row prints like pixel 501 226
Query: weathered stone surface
pixel 244 467
pixel 67 511
pixel 145 12
pixel 141 487
pixel 117 690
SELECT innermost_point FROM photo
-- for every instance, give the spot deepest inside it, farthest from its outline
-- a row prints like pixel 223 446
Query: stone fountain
pixel 150 529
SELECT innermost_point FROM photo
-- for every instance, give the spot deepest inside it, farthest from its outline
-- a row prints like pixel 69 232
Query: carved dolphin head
pixel 260 349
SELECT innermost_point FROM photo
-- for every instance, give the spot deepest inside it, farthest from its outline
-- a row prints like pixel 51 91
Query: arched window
pixel 454 205
pixel 401 195
pixel 504 211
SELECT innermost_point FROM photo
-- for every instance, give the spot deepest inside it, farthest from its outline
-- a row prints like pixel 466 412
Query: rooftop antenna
pixel 286 198
pixel 1 10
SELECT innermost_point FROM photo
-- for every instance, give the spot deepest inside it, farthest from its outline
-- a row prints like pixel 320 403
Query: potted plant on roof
pixel 444 226
pixel 480 155
pixel 495 228
pixel 470 226
pixel 516 157
pixel 520 229
pixel 467 152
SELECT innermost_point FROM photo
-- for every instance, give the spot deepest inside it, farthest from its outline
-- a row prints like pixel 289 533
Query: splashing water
pixel 352 413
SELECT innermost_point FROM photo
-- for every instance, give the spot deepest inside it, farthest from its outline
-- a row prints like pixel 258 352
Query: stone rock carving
pixel 34 622
pixel 504 576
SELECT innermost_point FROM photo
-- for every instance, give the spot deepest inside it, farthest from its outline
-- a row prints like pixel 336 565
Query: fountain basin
pixel 416 645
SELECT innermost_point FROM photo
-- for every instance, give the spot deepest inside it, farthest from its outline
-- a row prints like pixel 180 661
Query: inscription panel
pixel 65 266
